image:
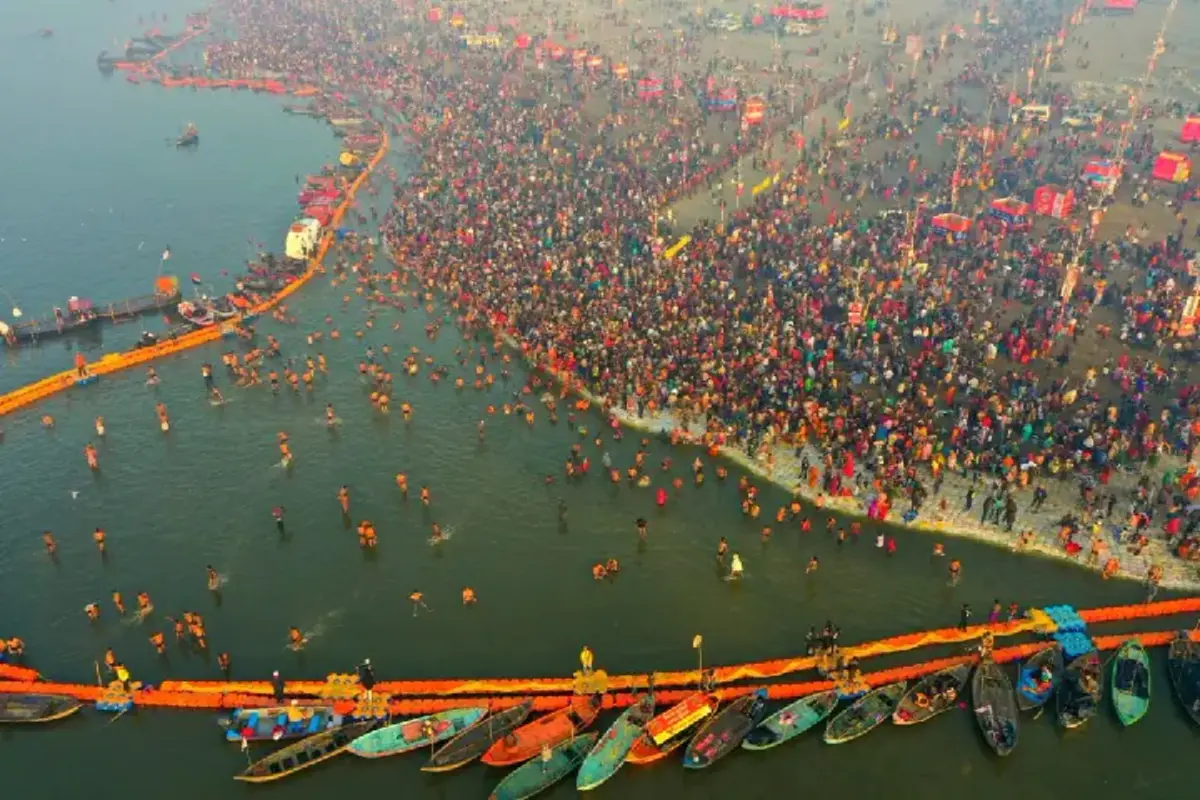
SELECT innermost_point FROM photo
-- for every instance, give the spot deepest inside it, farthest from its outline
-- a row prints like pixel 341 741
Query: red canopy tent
pixel 800 11
pixel 1010 210
pixel 754 112
pixel 951 223
pixel 1191 130
pixel 1120 6
pixel 1173 167
pixel 1053 201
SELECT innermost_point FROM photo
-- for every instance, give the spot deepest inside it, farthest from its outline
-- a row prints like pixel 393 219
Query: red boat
pixel 551 730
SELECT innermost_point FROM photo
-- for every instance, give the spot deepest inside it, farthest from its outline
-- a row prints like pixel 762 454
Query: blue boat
pixel 278 722
pixel 1039 677
pixel 603 760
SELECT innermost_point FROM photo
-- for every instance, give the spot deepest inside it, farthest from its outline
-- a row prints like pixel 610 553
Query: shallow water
pixel 203 494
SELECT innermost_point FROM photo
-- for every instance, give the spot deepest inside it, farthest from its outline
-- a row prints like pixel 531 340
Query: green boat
pixel 791 721
pixel 867 713
pixel 411 734
pixel 541 772
pixel 1131 682
pixel 603 760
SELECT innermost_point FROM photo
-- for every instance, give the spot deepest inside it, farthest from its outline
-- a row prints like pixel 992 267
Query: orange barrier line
pixel 12 672
pixel 165 697
pixel 1036 622
pixel 1187 605
pixel 114 362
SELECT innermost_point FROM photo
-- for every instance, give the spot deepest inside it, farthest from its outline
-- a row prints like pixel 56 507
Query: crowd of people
pixel 829 315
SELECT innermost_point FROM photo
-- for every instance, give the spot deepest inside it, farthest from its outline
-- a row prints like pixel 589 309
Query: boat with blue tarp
pixel 278 722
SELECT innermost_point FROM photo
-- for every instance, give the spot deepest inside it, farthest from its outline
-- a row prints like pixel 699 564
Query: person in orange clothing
pixel 160 644
pixel 418 601
pixel 468 596
pixel 48 540
pixel 118 602
pixel 93 460
pixel 99 538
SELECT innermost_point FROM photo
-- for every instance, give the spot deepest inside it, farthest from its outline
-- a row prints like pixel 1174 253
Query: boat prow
pixel 866 714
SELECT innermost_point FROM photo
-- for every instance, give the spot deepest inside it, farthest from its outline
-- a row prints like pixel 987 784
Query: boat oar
pixel 120 714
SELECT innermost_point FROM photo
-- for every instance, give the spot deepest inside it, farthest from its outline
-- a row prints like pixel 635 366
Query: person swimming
pixel 296 639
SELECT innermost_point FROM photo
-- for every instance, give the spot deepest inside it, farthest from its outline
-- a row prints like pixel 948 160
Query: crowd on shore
pixel 898 353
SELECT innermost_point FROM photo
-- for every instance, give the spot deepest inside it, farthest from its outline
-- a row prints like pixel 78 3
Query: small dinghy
pixel 1078 696
pixel 934 694
pixel 475 740
pixel 608 754
pixel 867 714
pixel 33 708
pixel 402 737
pixel 1131 682
pixel 304 753
pixel 721 734
pixel 1039 677
pixel 792 720
pixel 529 779
pixel 670 729
pixel 995 707
pixel 1183 665
pixel 279 722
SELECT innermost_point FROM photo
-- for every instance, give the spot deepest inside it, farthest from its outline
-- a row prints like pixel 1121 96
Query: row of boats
pixel 549 748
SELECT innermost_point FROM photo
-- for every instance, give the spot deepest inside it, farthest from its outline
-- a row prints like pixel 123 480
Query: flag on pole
pixel 697 641
pixel 245 743
pixel 166 254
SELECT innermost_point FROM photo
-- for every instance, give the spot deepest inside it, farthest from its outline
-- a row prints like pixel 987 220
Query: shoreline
pixel 1178 575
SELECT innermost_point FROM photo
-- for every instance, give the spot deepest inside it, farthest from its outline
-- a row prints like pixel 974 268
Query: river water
pixel 203 495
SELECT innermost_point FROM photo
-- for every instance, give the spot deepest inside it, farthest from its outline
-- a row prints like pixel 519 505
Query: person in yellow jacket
pixel 585 660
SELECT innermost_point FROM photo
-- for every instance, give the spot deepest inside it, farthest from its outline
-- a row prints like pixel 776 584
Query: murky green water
pixel 203 495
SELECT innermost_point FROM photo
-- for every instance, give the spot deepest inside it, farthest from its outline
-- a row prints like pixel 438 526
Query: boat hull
pixel 307 752
pixel 278 722
pixel 865 715
pixel 995 706
pixel 721 734
pixel 29 709
pixel 1078 697
pixel 1183 666
pixel 553 729
pixel 608 755
pixel 536 776
pixel 402 737
pixel 940 691
pixel 1131 683
pixel 792 720
pixel 474 741
pixel 1030 694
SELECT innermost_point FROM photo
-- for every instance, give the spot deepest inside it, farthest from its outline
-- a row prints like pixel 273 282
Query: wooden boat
pixel 934 694
pixel 791 721
pixel 1078 696
pixel 304 753
pixel 995 707
pixel 1032 690
pixel 608 754
pixel 867 713
pixel 721 734
pixel 278 722
pixel 33 708
pixel 471 743
pixel 526 742
pixel 402 737
pixel 666 732
pixel 1131 682
pixel 529 779
pixel 1183 665
pixel 199 316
